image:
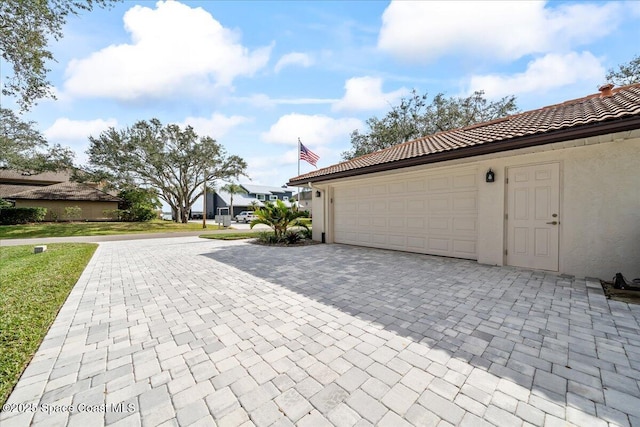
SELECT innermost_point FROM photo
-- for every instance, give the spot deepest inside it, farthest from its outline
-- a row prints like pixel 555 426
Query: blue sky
pixel 258 75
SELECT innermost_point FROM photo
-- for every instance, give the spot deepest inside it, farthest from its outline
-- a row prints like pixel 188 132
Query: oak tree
pixel 172 160
pixel 27 27
pixel 416 117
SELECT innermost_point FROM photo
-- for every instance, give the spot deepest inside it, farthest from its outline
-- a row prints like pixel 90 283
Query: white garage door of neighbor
pixel 432 214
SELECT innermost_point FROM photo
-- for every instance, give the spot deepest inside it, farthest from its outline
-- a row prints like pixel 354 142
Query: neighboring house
pixel 255 194
pixel 54 192
pixel 305 201
pixel 565 193
pixel 12 181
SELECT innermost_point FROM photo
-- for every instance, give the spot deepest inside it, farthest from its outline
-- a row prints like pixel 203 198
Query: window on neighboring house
pixel 260 197
pixel 273 197
pixel 285 198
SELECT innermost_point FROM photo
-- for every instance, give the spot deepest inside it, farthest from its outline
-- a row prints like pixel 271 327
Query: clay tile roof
pixel 13 176
pixel 589 116
pixel 65 191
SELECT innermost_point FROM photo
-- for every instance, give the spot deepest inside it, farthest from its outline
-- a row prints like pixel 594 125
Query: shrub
pixel 138 204
pixel 267 237
pixel 292 237
pixel 73 212
pixel 307 233
pixel 13 216
pixel 279 217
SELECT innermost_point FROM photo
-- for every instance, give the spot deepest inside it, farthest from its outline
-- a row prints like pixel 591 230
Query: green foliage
pixel 292 237
pixel 73 212
pixel 415 118
pixel 12 216
pixel 626 74
pixel 26 29
pixel 23 148
pixel 307 233
pixel 33 288
pixel 268 238
pixel 139 204
pixel 171 160
pixel 279 217
pixel 5 204
pixel 232 189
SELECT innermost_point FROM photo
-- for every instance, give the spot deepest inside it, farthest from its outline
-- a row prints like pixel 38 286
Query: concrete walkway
pixel 187 332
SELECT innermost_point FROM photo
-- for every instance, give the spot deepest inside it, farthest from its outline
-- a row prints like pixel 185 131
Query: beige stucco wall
pixel 599 203
pixel 90 210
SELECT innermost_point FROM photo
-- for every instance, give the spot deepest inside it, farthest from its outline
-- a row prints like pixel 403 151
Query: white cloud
pixel 215 126
pixel 173 49
pixel 65 130
pixel 312 130
pixel 365 93
pixel 422 31
pixel 293 58
pixel 261 100
pixel 548 72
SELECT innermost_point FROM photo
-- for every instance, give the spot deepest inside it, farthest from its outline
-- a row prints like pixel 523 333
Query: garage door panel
pixel 379 222
pixel 438 244
pixel 364 207
pixel 466 181
pixel 397 224
pixel 364 238
pixel 464 247
pixel 439 204
pixel 416 223
pixel 414 206
pixel 465 225
pixel 396 188
pixel 433 214
pixel 397 240
pixel 465 202
pixel 379 190
pixel 364 191
pixel 439 225
pixel 396 206
pixel 442 183
pixel 416 186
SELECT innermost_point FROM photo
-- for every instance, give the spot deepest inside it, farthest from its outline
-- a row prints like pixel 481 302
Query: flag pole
pixel 299 195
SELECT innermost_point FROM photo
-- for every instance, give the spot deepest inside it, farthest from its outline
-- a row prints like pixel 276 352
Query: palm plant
pixel 233 189
pixel 279 217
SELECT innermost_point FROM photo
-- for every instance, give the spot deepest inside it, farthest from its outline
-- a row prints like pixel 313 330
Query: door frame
pixel 560 164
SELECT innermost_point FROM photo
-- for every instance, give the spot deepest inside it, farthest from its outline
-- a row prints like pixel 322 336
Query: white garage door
pixel 433 213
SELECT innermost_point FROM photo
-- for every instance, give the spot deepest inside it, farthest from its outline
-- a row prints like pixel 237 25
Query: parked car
pixel 245 216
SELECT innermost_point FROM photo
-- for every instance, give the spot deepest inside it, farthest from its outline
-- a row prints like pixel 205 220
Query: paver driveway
pixel 185 331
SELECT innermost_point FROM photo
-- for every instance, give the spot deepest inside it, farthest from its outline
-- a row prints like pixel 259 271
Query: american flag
pixel 308 155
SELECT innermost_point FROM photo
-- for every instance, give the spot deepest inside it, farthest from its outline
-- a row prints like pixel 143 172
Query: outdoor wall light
pixel 318 194
pixel 491 176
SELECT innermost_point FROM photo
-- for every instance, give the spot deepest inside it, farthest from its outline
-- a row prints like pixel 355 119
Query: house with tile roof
pixel 54 191
pixel 555 189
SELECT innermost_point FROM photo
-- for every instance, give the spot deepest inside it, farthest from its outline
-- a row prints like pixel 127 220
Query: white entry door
pixel 533 217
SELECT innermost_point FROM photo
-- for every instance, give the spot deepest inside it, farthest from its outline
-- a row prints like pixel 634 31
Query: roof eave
pixel 586 131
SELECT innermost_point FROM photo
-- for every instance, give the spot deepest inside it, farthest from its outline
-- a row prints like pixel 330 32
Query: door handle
pixel 553 223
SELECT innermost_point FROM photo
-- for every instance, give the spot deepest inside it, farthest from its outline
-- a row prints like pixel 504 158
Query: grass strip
pixel 33 288
pixel 69 229
pixel 231 236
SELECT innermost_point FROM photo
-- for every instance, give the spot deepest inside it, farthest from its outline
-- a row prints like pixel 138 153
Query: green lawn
pixel 33 287
pixel 66 229
pixel 232 235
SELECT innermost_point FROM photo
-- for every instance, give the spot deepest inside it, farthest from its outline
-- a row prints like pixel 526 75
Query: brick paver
pixel 192 332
